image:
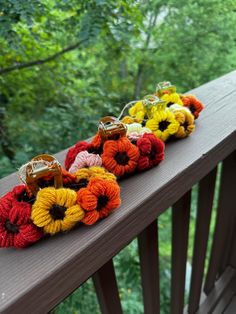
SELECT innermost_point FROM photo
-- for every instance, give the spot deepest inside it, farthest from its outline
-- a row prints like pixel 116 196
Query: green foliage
pixel 64 64
pixel 101 55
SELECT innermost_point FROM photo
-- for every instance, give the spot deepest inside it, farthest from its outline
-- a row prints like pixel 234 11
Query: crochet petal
pixel 110 148
pixel 87 199
pixel 91 217
pixel 72 215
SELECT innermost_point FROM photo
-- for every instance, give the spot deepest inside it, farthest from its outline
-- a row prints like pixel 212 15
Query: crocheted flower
pixel 85 159
pixel 171 98
pixel 99 199
pixel 193 104
pixel 137 127
pixel 97 143
pixel 151 151
pixel 163 124
pixel 84 175
pixel 16 227
pixel 73 152
pixel 137 111
pixel 136 131
pixel 56 210
pixel 120 157
pixel 185 119
pixel 127 120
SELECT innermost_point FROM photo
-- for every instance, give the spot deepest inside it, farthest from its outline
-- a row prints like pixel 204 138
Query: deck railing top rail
pixel 48 271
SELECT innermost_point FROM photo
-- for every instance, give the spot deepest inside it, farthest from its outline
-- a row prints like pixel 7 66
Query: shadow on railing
pixel 35 280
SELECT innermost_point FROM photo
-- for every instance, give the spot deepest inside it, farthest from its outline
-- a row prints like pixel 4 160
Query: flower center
pixel 185 125
pixel 169 104
pixel 102 202
pixel 23 197
pixel 192 108
pixel 57 212
pixel 122 158
pixel 152 155
pixel 77 185
pixel 10 227
pixel 163 125
pixel 82 183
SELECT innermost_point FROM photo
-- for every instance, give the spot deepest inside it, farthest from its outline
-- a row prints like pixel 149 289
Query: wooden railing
pixel 36 279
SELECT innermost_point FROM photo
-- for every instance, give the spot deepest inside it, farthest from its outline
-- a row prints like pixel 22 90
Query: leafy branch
pixel 23 65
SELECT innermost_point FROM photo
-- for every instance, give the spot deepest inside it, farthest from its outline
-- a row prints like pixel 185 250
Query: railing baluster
pixel 226 208
pixel 180 227
pixel 107 290
pixel 230 235
pixel 205 202
pixel 232 255
pixel 149 262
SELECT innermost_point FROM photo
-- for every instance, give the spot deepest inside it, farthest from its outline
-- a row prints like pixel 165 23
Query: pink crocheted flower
pixel 134 136
pixel 84 160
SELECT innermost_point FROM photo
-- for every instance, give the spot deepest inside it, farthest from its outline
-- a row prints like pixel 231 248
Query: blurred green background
pixel 64 64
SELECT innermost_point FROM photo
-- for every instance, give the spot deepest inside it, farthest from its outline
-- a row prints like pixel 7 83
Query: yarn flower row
pixel 137 151
pixel 86 197
pixel 166 113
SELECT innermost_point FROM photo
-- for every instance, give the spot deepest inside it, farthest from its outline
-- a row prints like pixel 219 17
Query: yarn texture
pixel 120 157
pixel 137 111
pixel 85 159
pixel 185 119
pixel 193 104
pixel 56 210
pixel 171 98
pixel 98 199
pixel 74 151
pixel 151 151
pixel 84 175
pixel 16 227
pixel 163 124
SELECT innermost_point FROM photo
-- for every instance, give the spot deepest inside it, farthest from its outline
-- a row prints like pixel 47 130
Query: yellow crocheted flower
pixel 137 111
pixel 163 124
pixel 56 210
pixel 172 98
pixel 84 175
pixel 128 120
pixel 185 119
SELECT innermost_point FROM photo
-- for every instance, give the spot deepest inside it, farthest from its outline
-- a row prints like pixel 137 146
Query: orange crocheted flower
pixel 193 104
pixel 98 199
pixel 120 157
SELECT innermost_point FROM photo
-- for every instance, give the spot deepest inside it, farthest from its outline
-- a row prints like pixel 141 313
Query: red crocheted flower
pixel 97 143
pixel 193 104
pixel 98 199
pixel 120 157
pixel 73 152
pixel 16 227
pixel 151 151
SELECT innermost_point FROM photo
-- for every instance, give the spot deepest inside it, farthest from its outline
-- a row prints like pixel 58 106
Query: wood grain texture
pixel 149 263
pixel 36 279
pixel 205 201
pixel 220 290
pixel 231 307
pixel 226 300
pixel 107 290
pixel 224 222
pixel 180 228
